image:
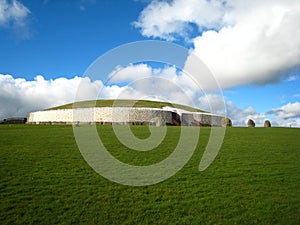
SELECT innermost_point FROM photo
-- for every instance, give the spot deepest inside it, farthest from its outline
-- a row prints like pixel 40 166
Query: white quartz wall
pixel 103 114
pixel 121 115
pixel 65 115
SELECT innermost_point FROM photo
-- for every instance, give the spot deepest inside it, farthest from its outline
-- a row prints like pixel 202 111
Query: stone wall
pixel 103 115
pixel 201 119
pixel 121 115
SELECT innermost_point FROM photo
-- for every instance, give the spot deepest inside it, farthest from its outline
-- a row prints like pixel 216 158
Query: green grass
pixel 124 103
pixel 254 180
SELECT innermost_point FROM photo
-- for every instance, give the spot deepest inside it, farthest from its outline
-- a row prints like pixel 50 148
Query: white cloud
pixel 168 19
pixel 288 111
pixel 240 117
pixel 243 42
pixel 261 46
pixel 154 83
pixel 14 15
pixel 129 73
pixel 13 12
pixel 18 96
pixel 163 84
pixel 213 103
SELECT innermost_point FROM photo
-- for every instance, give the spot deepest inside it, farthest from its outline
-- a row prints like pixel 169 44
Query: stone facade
pixel 102 115
pixel 122 115
pixel 201 119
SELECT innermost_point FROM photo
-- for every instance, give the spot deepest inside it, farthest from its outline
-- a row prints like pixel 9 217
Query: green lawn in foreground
pixel 254 180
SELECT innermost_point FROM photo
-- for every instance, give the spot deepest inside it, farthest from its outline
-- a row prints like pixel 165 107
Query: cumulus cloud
pixel 129 73
pixel 18 96
pixel 288 111
pixel 261 46
pixel 240 117
pixel 166 83
pixel 166 19
pixel 242 42
pixel 14 15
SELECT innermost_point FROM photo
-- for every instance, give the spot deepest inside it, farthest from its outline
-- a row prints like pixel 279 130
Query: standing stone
pixel 251 123
pixel 226 122
pixel 267 123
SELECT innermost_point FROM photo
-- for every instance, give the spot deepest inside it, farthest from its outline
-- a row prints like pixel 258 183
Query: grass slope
pixel 124 103
pixel 254 180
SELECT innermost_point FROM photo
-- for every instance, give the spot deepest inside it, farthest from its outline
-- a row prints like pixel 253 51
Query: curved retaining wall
pixel 121 115
pixel 102 115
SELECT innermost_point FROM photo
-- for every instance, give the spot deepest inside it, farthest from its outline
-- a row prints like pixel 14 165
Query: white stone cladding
pixel 64 115
pixel 122 115
pixel 101 115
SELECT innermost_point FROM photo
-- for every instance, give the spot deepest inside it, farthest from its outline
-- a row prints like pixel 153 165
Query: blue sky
pixel 252 48
pixel 66 36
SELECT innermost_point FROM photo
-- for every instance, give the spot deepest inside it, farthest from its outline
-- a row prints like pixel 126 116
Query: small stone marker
pixel 226 122
pixel 251 123
pixel 267 123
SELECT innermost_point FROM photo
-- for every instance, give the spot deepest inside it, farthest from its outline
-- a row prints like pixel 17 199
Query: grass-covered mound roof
pixel 125 103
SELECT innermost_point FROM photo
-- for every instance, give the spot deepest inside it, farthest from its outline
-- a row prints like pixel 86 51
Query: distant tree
pixel 226 122
pixel 267 123
pixel 251 123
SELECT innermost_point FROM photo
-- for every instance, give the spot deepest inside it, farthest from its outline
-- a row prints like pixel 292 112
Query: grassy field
pixel 255 179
